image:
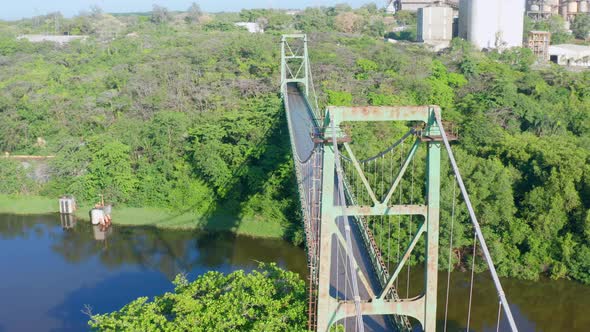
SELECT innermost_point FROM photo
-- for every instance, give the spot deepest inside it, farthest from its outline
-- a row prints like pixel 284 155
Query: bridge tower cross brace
pixel 423 307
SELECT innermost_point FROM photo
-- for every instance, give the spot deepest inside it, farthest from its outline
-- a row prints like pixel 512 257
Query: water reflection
pixel 58 265
pixel 101 233
pixel 68 221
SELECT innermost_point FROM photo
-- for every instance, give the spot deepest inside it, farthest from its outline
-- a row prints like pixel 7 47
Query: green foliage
pixel 365 66
pixel 194 14
pixel 519 58
pixel 339 98
pixel 269 299
pixel 15 179
pixel 405 17
pixel 581 26
pixel 379 99
pixel 443 85
pixel 556 25
pixel 182 120
pixel 522 148
pixel 160 15
pixel 220 26
pixel 313 19
pixel 409 34
pixel 108 171
pixel 270 19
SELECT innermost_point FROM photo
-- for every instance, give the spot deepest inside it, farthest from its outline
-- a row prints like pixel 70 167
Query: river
pixel 53 269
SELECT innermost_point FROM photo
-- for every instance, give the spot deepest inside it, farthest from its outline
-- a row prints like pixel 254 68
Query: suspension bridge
pixel 364 218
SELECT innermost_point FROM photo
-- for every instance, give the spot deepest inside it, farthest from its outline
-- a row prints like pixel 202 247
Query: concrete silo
pixel 492 24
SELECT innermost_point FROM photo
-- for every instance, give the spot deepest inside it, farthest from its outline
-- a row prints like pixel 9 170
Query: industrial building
pixel 538 42
pixel 435 25
pixel 494 24
pixel 414 5
pixel 570 55
pixel 541 9
pixel 252 27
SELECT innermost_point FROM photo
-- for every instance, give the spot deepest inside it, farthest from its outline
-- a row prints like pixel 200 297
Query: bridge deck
pixel 302 126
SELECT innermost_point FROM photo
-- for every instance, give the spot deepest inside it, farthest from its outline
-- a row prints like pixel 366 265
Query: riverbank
pixel 147 216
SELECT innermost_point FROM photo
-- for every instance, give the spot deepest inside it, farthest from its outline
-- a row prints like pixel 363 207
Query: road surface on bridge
pixel 302 127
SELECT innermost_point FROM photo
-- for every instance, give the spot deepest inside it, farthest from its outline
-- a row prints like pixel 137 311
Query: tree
pixel 313 19
pixel 194 13
pixel 374 27
pixel 339 98
pixel 581 26
pixel 370 8
pixel 109 171
pixel 160 15
pixel 347 22
pixel 96 12
pixel 556 25
pixel 404 17
pixel 269 299
pixel 14 178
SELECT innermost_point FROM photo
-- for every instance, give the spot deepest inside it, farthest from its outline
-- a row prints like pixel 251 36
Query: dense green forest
pixel 269 299
pixel 182 110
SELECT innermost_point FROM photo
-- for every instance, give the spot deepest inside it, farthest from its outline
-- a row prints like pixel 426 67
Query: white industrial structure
pixel 414 5
pixel 540 9
pixel 492 24
pixel 570 55
pixel 435 25
pixel 252 27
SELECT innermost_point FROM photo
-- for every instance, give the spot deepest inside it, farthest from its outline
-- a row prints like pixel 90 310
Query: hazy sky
pixel 12 10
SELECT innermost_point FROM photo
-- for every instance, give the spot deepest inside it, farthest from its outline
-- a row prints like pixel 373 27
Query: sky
pixel 14 10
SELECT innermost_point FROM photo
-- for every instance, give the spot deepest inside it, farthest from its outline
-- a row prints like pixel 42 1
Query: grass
pixel 28 205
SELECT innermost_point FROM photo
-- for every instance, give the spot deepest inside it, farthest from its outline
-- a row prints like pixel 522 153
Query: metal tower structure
pixel 423 308
pixel 294 61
